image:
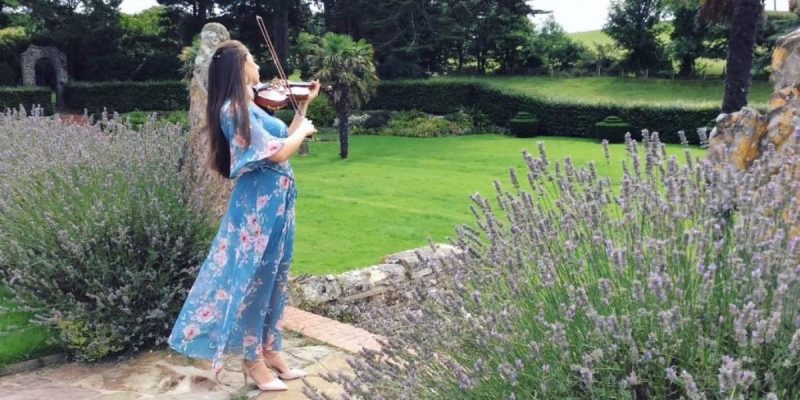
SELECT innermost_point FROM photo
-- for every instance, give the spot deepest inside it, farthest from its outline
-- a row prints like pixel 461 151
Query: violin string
pixel 281 74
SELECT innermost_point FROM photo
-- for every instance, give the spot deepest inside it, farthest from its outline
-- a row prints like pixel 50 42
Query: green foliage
pixel 377 119
pixel 13 97
pixel 556 116
pixel 524 124
pixel 90 341
pixel 415 123
pixel 634 25
pixel 321 111
pixel 126 96
pixel 285 115
pixel 13 41
pixel 187 57
pixel 551 47
pixel 137 119
pixel 612 129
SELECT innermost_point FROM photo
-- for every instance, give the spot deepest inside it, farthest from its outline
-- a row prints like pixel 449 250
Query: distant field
pixel 589 38
pixel 622 90
pixel 706 66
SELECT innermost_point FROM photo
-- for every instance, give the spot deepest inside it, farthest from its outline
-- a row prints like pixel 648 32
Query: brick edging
pixel 329 331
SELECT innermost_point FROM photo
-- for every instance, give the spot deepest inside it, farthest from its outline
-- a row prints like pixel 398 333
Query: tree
pixel 347 66
pixel 555 49
pixel 743 17
pixel 687 35
pixel 88 31
pixel 634 25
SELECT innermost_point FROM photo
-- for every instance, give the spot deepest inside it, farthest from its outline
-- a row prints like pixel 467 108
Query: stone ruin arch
pixel 35 53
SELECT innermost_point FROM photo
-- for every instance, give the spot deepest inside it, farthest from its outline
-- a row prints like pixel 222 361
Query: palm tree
pixel 743 17
pixel 345 65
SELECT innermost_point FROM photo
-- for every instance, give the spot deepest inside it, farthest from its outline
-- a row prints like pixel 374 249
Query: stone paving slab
pixel 167 375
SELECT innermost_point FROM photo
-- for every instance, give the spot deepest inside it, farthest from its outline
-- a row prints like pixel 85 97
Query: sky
pixel 573 15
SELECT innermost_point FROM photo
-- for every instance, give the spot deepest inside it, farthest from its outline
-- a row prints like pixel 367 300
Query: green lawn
pixel 20 340
pixel 393 193
pixel 621 90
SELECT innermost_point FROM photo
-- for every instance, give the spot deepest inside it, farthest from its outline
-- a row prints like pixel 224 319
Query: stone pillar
pixel 208 192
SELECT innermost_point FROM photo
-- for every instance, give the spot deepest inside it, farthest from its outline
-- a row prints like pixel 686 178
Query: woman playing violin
pixel 236 302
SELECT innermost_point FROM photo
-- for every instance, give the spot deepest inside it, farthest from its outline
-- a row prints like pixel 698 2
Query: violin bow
pixel 281 74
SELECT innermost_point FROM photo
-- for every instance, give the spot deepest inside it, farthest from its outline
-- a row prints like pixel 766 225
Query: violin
pixel 280 92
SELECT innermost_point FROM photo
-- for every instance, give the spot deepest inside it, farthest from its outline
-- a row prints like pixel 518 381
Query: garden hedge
pixel 27 96
pixel 562 117
pixel 126 96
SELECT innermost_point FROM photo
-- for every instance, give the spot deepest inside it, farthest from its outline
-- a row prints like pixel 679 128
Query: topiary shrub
pixel 612 129
pixel 97 239
pixel 523 125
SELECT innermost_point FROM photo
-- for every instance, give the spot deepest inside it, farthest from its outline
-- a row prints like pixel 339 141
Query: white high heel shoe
pixel 271 386
pixel 293 373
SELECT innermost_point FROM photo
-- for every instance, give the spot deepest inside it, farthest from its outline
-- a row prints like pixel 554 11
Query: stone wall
pixel 375 284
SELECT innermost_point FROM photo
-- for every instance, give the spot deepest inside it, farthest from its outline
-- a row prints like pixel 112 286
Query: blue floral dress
pixel 237 300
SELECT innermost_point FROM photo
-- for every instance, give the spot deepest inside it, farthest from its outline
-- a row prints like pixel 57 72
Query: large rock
pixel 747 134
pixel 208 191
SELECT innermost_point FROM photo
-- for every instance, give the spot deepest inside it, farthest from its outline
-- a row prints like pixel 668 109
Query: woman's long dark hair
pixel 226 80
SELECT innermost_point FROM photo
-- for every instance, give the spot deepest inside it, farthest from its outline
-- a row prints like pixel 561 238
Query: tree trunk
pixel 329 14
pixel 741 46
pixel 344 132
pixel 687 66
pixel 281 33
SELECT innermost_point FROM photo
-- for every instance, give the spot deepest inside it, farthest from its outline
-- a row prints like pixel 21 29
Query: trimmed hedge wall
pixel 27 96
pixel 126 96
pixel 556 116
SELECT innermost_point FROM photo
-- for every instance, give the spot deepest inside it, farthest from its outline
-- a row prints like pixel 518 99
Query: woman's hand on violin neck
pixel 313 90
pixel 302 126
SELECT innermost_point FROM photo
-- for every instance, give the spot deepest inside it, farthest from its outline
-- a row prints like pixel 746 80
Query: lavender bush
pixel 95 238
pixel 679 282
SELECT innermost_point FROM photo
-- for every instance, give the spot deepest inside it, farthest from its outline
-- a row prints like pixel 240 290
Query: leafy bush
pixel 404 124
pixel 139 118
pixel 126 96
pixel 563 117
pixel 377 119
pixel 612 129
pixel 682 282
pixel 321 111
pixel 13 97
pixel 523 125
pixel 285 115
pixel 97 240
